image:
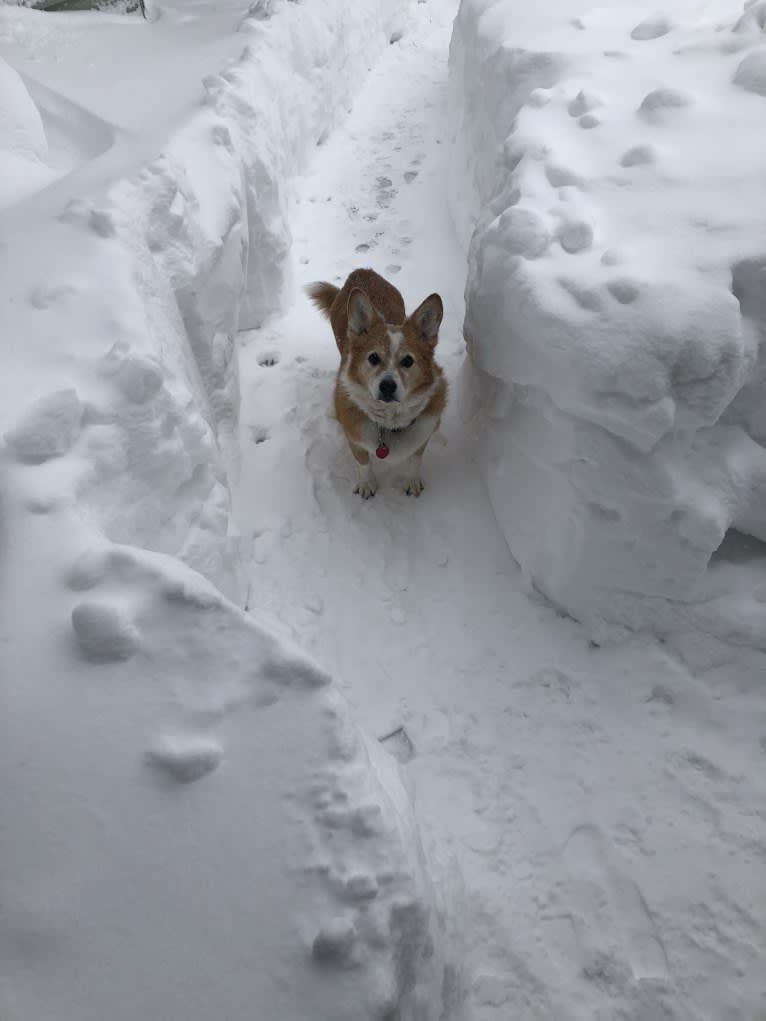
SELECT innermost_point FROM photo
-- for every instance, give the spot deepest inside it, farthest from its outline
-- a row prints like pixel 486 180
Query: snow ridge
pixel 612 312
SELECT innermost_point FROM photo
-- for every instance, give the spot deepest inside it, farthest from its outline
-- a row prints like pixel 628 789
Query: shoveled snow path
pixel 605 805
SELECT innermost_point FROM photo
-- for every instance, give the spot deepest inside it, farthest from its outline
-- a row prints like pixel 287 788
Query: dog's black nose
pixel 387 388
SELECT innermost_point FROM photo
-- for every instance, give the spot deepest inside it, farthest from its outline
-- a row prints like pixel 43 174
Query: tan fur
pixel 333 301
pixel 322 295
pixel 368 318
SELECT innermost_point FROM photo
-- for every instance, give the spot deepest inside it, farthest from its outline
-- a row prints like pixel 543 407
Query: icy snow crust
pixel 192 826
pixel 611 165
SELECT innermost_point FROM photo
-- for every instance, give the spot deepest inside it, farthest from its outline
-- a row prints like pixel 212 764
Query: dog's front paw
pixel 414 486
pixel 366 489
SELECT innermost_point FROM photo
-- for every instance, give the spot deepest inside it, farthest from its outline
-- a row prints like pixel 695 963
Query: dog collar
pixel 382 450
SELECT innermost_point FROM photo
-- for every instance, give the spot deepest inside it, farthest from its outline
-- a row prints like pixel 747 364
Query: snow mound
pixel 103 397
pixel 21 126
pixel 131 285
pixel 615 314
pixel 751 73
pixel 209 828
pixel 23 145
pixel 43 136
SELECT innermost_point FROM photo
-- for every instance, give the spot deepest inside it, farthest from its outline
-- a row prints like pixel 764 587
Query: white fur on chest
pixel 403 443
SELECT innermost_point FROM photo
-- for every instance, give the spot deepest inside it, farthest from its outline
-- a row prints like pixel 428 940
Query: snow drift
pixel 615 312
pixel 193 825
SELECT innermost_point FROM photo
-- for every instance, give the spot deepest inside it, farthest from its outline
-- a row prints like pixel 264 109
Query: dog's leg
pixel 413 482
pixel 366 485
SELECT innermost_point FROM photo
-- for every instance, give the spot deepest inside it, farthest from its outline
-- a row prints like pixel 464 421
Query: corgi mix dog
pixel 390 393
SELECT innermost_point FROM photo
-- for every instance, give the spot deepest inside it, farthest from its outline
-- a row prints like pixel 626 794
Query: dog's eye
pixel 374 359
pixel 407 361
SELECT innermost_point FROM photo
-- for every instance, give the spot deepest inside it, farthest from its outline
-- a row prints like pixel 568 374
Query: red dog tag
pixel 382 452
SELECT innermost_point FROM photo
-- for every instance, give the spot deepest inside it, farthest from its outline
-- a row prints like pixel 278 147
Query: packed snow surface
pixel 609 162
pixel 194 825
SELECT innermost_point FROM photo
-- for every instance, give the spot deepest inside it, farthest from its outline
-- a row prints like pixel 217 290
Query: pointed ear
pixel 427 318
pixel 360 311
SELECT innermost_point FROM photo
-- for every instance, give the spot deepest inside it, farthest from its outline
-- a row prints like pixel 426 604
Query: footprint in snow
pixel 751 73
pixel 575 236
pixel 48 429
pixel 652 27
pixel 268 358
pixel 638 155
pixel 584 102
pixel 614 928
pixel 45 296
pixel 104 633
pixel 385 192
pixel 259 433
pixel 559 176
pixel 623 290
pixel 399 744
pixel 659 103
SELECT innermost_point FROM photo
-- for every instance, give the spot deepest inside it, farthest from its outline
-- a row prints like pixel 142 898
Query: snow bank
pixel 151 275
pixel 615 298
pixel 217 219
pixel 43 136
pixel 193 827
pixel 23 145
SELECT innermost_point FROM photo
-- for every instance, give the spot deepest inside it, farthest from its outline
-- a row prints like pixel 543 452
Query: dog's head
pixel 389 369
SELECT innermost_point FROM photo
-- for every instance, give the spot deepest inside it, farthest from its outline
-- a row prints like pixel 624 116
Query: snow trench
pixel 167 263
pixel 615 315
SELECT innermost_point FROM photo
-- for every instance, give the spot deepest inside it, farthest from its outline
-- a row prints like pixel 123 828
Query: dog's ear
pixel 427 318
pixel 360 311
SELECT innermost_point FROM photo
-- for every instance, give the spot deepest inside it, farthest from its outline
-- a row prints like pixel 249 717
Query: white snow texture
pixel 194 824
pixel 615 309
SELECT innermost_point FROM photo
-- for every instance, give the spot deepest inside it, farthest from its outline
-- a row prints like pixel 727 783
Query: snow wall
pixel 192 825
pixel 616 309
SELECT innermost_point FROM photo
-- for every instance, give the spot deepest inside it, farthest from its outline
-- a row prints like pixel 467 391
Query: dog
pixel 390 393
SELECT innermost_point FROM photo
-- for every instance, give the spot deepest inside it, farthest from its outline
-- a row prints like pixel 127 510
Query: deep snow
pixel 615 304
pixel 192 823
pixel 604 804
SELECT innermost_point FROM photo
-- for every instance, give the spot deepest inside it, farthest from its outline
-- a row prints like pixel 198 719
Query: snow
pixel 275 750
pixel 603 804
pixel 612 316
pixel 129 896
pixel 751 73
pixel 191 815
